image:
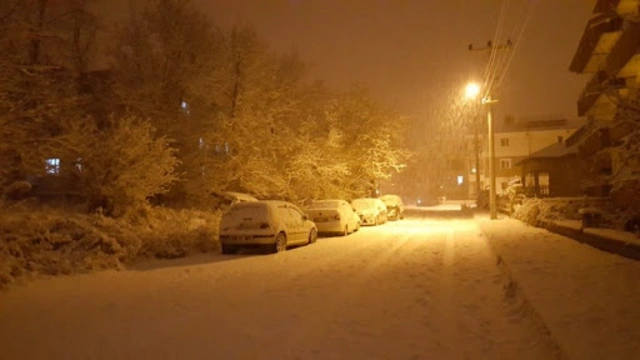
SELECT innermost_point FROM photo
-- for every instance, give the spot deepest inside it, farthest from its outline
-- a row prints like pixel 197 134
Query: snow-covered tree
pixel 162 54
pixel 625 154
pixel 373 137
pixel 43 48
pixel 126 164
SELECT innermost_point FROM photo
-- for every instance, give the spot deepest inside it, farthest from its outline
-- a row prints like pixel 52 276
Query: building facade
pixel 516 140
pixel 609 52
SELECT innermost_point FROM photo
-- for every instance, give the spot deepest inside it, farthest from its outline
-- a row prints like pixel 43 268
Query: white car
pixel 371 211
pixel 333 216
pixel 272 224
pixel 395 206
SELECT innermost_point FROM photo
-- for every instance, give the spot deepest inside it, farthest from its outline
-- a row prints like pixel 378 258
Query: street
pixel 414 289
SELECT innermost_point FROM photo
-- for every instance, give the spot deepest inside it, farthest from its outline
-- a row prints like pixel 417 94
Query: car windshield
pixel 361 204
pixel 389 200
pixel 325 204
pixel 247 211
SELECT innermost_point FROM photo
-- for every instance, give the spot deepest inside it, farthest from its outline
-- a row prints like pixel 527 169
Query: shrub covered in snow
pixel 536 211
pixel 48 242
pixel 168 233
pixel 126 164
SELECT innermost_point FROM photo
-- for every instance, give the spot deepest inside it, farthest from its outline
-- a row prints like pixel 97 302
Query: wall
pixel 521 144
pixel 565 174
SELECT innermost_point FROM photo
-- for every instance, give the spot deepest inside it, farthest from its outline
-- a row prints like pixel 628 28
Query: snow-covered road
pixel 413 289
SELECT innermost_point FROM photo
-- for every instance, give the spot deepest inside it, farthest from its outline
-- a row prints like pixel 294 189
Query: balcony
pixel 599 37
pixel 594 101
pixel 623 51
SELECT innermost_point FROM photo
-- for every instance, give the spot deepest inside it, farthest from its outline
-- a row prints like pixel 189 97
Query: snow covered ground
pixel 414 289
pixel 589 299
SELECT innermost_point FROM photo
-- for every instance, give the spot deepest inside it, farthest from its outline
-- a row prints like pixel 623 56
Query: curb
pixel 614 246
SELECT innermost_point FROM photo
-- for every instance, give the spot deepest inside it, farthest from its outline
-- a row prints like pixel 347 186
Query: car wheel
pixel 281 243
pixel 313 236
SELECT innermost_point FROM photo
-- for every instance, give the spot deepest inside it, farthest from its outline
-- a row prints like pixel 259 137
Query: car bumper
pixel 233 239
pixel 330 227
pixel 367 219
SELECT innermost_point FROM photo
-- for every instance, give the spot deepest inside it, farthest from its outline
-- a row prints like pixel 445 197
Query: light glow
pixel 472 90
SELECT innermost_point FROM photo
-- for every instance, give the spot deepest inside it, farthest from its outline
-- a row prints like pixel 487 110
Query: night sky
pixel 412 52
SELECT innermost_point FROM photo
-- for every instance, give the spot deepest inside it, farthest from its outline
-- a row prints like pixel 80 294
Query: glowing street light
pixel 472 90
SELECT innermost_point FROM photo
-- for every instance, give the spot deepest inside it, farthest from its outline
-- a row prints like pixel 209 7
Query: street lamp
pixel 471 92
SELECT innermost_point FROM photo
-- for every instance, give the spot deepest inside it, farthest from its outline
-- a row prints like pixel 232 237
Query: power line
pixel 496 36
pixel 529 11
pixel 503 59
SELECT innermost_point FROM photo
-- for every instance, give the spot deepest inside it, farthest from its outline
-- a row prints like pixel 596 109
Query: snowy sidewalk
pixel 588 299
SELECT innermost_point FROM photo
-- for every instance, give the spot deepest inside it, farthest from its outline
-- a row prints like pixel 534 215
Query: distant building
pixel 610 52
pixel 516 140
pixel 554 171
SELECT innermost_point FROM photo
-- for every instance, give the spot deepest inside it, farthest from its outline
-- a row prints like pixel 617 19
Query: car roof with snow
pixel 235 195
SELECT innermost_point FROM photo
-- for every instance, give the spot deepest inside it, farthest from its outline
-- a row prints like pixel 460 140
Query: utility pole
pixel 493 206
pixel 476 149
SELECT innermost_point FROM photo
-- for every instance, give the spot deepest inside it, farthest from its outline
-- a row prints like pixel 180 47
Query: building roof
pixel 556 150
pixel 539 124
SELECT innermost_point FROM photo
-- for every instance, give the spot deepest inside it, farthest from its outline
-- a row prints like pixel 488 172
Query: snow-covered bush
pixel 528 212
pixel 126 164
pixel 36 242
pixel 537 211
pixel 56 243
pixel 169 233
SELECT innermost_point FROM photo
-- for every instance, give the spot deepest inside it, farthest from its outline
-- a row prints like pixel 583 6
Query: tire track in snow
pixel 522 309
pixel 447 292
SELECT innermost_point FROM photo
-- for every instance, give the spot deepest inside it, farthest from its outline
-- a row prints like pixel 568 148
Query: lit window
pixel 473 170
pixel 53 166
pixel 226 147
pixel 505 163
pixel 504 142
pixel 185 107
pixel 79 164
pixel 460 179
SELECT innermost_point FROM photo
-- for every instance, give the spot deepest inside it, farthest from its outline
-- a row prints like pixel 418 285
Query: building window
pixel 505 163
pixel 460 179
pixel 560 139
pixel 185 107
pixel 53 166
pixel 504 142
pixel 79 164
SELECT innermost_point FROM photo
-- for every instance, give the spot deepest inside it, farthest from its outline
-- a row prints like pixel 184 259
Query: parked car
pixel 395 206
pixel 223 200
pixel 333 216
pixel 371 211
pixel 272 224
